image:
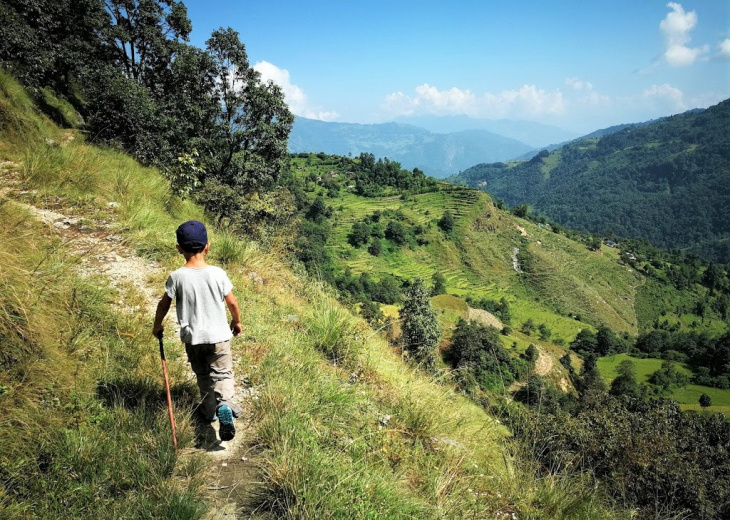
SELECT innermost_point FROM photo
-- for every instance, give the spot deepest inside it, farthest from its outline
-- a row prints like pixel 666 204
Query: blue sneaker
pixel 227 429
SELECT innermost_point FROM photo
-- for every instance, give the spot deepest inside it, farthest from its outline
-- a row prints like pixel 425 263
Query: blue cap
pixel 191 235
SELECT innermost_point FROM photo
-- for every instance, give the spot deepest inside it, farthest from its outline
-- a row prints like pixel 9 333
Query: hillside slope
pixel 666 182
pixel 84 428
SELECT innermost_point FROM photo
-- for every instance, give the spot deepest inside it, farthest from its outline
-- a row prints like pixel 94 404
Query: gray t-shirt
pixel 199 296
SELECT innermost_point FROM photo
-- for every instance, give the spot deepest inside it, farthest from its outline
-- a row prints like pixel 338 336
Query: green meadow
pixel 687 396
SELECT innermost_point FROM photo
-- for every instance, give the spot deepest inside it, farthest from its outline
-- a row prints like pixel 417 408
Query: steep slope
pixel 666 182
pixel 436 154
pixel 84 428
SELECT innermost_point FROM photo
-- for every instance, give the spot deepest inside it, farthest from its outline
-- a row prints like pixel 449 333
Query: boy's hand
pixel 236 327
pixel 158 331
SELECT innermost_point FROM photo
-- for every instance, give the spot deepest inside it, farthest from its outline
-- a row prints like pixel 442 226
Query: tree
pixel 446 222
pixel 372 313
pixel 544 331
pixel 249 148
pixel 625 383
pixel 439 284
pixel 396 232
pixel 531 354
pixel 705 401
pixel 421 330
pixel 590 384
pixel 478 350
pixel 528 327
pixel 143 34
pixel 521 211
pixel 375 248
pixel 584 343
pixel 359 235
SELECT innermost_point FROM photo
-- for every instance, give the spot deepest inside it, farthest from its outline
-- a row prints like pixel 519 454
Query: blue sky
pixel 578 64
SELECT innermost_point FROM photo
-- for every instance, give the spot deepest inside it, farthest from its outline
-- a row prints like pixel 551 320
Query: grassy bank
pixel 348 430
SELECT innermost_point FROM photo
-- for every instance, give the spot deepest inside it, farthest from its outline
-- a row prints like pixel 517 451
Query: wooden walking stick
pixel 169 397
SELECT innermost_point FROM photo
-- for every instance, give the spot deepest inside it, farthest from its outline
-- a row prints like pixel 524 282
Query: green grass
pixel 644 367
pixel 687 396
pixel 566 279
pixel 84 429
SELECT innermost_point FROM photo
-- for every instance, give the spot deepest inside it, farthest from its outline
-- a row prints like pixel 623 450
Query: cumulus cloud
pixel 293 94
pixel 667 93
pixel 676 28
pixel 527 101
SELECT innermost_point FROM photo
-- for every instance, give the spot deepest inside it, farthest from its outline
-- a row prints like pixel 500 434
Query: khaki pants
pixel 213 366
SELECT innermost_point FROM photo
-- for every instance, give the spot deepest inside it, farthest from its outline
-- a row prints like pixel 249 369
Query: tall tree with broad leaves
pixel 253 121
pixel 421 330
pixel 144 34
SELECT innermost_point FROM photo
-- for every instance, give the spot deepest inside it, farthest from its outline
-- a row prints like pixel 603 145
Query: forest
pixel 665 182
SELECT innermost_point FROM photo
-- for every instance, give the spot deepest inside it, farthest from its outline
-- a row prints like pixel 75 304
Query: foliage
pixel 477 351
pixel 604 342
pixel 705 401
pixel 668 376
pixel 625 383
pixel 531 354
pixel 709 357
pixel 438 284
pixel 642 181
pixel 205 116
pixel 446 222
pixel 420 326
pixel 371 177
pixel 648 454
pixel 501 308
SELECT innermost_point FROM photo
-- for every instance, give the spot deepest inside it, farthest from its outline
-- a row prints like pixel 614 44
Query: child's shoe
pixel 227 429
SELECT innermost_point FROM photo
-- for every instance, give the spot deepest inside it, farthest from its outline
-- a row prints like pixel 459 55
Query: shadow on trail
pixel 136 393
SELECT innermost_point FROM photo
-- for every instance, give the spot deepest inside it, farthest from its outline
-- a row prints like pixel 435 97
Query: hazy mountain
pixel 597 133
pixel 438 155
pixel 667 181
pixel 534 134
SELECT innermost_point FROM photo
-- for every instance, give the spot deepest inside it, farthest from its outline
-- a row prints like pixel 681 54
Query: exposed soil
pixel 544 363
pixel 484 317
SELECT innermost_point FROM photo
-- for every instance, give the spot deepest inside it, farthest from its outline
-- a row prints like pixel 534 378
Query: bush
pixel 478 350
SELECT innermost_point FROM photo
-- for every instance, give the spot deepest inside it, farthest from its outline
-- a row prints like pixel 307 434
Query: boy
pixel 200 291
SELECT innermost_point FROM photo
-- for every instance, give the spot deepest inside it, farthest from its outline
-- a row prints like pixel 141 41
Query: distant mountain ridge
pixel 438 155
pixel 667 181
pixel 533 134
pixel 601 132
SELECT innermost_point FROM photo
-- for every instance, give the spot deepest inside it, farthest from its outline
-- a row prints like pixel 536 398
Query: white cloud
pixel 527 101
pixel 676 28
pixel 724 47
pixel 668 93
pixel 578 84
pixel 293 94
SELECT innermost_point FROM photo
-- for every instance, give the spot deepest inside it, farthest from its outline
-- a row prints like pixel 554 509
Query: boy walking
pixel 201 293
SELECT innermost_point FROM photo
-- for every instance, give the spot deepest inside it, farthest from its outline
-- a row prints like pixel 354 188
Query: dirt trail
pixel 235 468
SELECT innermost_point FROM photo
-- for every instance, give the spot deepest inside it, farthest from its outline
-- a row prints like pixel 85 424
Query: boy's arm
pixel 162 307
pixel 235 313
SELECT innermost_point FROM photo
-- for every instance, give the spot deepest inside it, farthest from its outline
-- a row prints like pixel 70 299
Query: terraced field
pixel 568 287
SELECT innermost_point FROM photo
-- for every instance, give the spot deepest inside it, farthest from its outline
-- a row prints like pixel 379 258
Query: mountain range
pixel 437 154
pixel 667 181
